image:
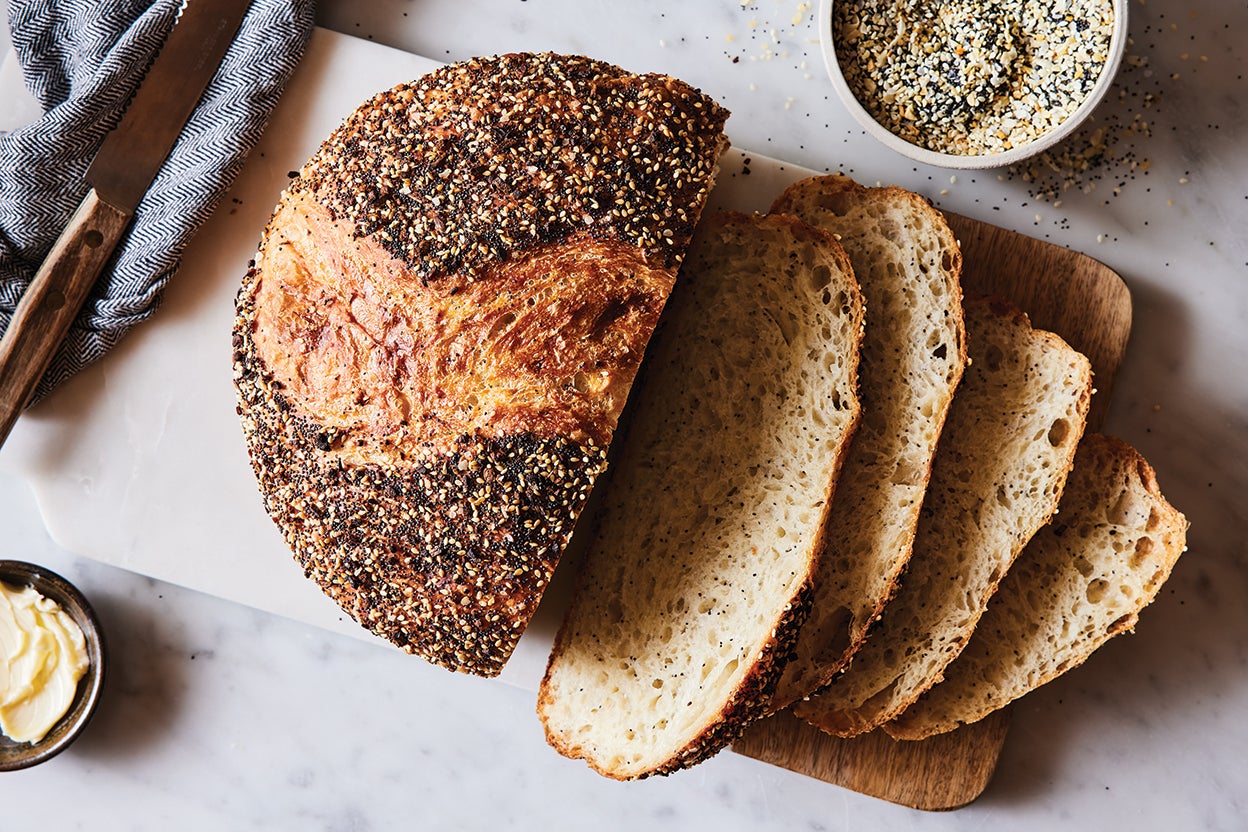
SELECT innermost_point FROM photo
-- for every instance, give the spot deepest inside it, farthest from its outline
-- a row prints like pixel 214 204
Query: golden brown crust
pixel 441 326
pixel 546 343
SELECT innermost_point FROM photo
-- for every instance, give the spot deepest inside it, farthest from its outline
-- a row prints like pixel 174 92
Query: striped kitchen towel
pixel 83 60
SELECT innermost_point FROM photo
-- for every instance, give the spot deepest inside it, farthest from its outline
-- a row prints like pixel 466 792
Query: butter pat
pixel 43 654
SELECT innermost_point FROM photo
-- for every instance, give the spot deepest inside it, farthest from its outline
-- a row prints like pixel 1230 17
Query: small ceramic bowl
pixel 14 755
pixel 1117 46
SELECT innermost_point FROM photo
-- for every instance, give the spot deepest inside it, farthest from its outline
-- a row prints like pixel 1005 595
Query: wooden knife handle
pixel 52 302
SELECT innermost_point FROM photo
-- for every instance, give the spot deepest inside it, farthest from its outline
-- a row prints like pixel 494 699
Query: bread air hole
pixel 1143 548
pixel 820 278
pixel 1120 513
pixel 905 473
pixel 1003 498
pixel 1096 591
pixel 1059 432
pixel 839 203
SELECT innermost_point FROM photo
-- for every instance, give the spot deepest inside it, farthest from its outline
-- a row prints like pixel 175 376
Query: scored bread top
pixel 1002 461
pixel 696 577
pixel 908 264
pixel 1082 580
pixel 441 326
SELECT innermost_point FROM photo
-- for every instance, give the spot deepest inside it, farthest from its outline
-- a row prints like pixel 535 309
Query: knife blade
pixel 121 172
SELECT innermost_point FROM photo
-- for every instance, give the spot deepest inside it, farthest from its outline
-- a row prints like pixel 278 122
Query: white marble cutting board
pixel 139 462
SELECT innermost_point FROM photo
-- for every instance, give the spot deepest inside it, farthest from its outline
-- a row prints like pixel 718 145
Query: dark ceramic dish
pixel 15 755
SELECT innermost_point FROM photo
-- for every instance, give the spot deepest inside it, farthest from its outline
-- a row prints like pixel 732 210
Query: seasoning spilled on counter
pixel 43 654
pixel 969 77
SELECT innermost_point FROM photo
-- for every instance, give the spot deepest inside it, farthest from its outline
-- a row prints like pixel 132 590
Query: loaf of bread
pixel 697 577
pixel 1082 580
pixel 442 324
pixel 908 264
pixel 1002 461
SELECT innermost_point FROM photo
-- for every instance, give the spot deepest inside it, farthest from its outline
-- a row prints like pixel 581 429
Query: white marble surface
pixel 217 716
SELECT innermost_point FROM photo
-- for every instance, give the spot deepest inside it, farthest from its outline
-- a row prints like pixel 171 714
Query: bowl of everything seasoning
pixel 972 83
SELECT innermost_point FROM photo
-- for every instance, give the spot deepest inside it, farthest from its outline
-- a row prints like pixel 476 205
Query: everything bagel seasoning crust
pixel 537 150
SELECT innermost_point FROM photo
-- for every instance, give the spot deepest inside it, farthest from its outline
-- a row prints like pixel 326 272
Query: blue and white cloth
pixel 83 60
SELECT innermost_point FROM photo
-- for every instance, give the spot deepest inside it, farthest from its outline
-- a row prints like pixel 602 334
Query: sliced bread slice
pixel 698 573
pixel 999 471
pixel 1082 580
pixel 908 263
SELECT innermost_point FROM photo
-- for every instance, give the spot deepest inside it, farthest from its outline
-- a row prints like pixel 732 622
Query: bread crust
pixel 440 328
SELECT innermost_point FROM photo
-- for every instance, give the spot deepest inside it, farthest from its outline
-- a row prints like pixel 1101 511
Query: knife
pixel 120 174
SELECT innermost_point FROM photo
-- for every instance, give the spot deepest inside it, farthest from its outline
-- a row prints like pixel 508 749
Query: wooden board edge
pixel 907 773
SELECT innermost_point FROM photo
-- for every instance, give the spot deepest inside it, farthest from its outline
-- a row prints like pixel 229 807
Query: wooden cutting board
pixel 1086 303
